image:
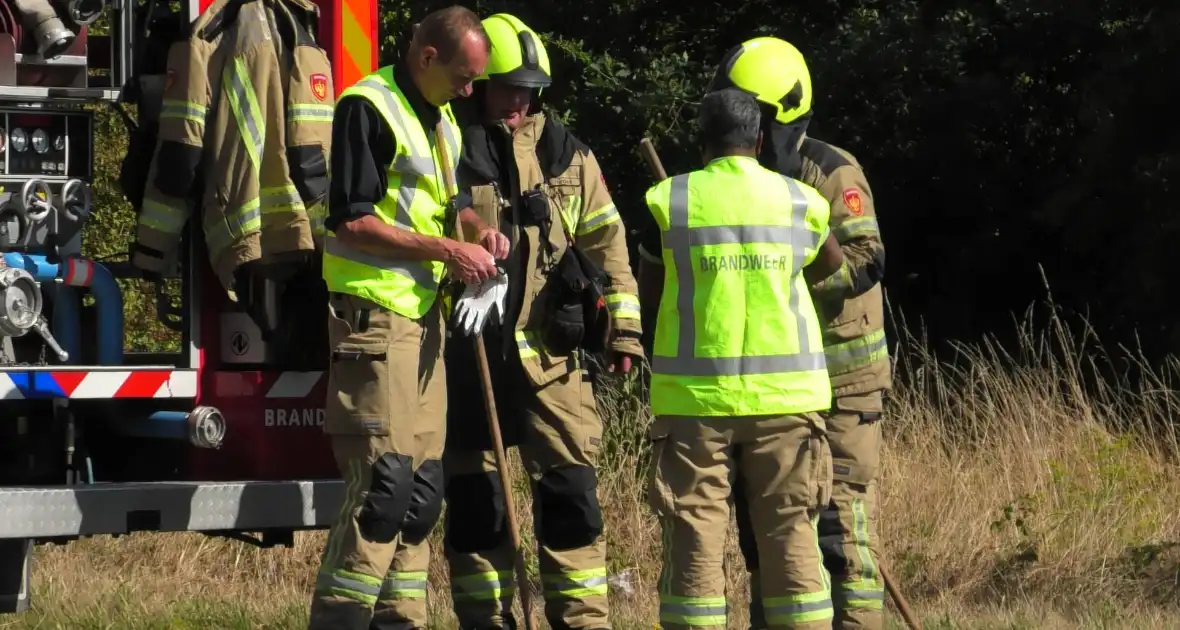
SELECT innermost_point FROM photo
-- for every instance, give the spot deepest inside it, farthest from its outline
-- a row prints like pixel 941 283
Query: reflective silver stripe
pixel 868 596
pixel 186 110
pixel 391 105
pixel 415 271
pixel 693 610
pixel 162 217
pixel 452 152
pixel 857 353
pixel 795 609
pixel 331 580
pixel 604 216
pixel 407 585
pixel 801 240
pixel 408 168
pixel 281 198
pixel 305 112
pixel 680 238
pixel 857 226
pixel 245 109
pixel 562 584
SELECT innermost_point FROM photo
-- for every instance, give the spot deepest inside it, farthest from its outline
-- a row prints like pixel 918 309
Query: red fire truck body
pixel 218 437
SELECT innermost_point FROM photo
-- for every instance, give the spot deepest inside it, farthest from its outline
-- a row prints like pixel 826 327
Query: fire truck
pixel 223 436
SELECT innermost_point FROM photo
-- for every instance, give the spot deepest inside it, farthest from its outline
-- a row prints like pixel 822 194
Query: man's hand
pixel 619 362
pixel 471 263
pixel 826 263
pixel 495 242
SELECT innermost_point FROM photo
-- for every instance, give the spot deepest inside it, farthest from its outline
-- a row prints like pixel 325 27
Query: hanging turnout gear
pixel 243 142
pixel 851 310
pixel 570 290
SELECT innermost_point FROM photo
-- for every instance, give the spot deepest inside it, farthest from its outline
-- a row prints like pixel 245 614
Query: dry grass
pixel 1013 497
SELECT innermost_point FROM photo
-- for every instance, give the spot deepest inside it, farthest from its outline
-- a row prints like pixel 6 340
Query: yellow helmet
pixel 773 71
pixel 518 56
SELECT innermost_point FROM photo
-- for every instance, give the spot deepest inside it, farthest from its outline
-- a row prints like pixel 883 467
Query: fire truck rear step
pixel 44 512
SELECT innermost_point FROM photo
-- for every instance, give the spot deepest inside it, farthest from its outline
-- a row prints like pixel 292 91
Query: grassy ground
pixel 1011 499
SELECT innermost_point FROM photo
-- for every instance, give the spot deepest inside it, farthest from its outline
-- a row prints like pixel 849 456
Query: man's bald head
pixel 449 49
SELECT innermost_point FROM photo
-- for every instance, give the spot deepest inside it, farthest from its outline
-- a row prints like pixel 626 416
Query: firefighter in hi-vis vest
pixel 542 186
pixel 387 244
pixel 852 314
pixel 739 375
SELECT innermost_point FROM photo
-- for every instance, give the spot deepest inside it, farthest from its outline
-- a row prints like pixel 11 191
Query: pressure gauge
pixel 59 142
pixel 19 140
pixel 40 141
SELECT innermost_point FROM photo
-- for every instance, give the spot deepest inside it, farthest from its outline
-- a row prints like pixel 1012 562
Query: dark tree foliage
pixel 1000 137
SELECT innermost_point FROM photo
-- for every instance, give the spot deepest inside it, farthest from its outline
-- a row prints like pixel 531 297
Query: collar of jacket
pixel 780 147
pixel 427 113
pixel 553 145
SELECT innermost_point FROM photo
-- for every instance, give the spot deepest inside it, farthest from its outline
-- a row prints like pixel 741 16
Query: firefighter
pixel 851 309
pixel 739 375
pixel 544 188
pixel 252 152
pixel 388 241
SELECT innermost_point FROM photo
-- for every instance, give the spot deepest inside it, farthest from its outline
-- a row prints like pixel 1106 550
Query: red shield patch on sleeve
pixel 319 85
pixel 852 200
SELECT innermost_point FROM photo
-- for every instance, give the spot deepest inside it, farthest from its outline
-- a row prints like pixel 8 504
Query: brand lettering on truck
pixel 293 417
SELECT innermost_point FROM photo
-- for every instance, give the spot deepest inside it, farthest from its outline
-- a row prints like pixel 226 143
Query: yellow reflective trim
pixel 527 344
pixel 221 231
pixel 281 199
pixel 310 112
pixel 840 280
pixel 244 104
pixel 183 110
pixel 404 585
pixel 487 586
pixel 623 305
pixel 693 611
pixel 857 353
pixel 599 218
pixel 854 227
pixel 162 217
pixel 571 213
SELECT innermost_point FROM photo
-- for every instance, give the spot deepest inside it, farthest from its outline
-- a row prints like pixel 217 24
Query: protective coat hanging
pixel 244 137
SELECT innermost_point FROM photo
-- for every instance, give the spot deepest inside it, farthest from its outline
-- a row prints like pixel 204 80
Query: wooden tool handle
pixel 648 151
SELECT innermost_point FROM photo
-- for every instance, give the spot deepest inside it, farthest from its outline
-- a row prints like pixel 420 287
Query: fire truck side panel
pixel 274 417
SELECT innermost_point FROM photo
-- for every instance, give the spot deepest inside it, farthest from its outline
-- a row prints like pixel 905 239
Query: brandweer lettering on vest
pixel 743 262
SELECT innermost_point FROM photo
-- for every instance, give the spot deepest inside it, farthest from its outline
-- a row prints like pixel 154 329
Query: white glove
pixel 478 302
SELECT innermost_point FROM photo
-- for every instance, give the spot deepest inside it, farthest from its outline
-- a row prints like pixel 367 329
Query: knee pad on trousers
pixel 747 542
pixel 477 519
pixel 566 505
pixel 426 501
pixel 384 508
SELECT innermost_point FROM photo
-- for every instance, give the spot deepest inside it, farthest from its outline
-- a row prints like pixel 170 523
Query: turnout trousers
pixel 848 526
pixel 558 431
pixel 386 417
pixel 786 467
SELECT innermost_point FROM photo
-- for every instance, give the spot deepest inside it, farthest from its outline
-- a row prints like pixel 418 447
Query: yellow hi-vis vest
pixel 737 334
pixel 416 200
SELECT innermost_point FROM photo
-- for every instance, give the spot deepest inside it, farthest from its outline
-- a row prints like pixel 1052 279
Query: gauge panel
pixel 46 144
